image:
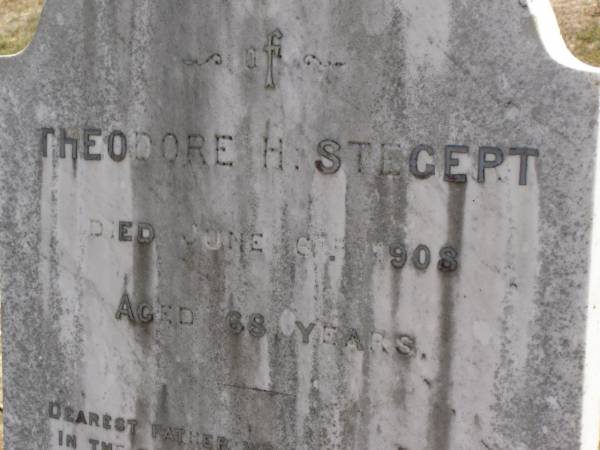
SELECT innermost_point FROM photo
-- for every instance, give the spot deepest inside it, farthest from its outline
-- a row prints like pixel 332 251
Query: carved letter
pixel 120 424
pixel 125 309
pixel 450 162
pixel 145 314
pixel 186 316
pixel 210 245
pixel 71 441
pixel 145 233
pixel 64 141
pixel 268 150
pixel 147 149
pixel 303 246
pixel 54 410
pixel 207 441
pixel 361 146
pixel 123 233
pixel 524 153
pixel 334 161
pixel 354 337
pixel 93 419
pixel 68 414
pixel 44 141
pixel 390 153
pixel 273 50
pixel 222 443
pixel 196 146
pixel 117 157
pixel 329 332
pixel 222 149
pixel 132 424
pixel 485 163
pixel 256 244
pixel 81 418
pixel 414 162
pixel 96 228
pixel 170 155
pixel 88 144
pixel 405 345
pixel 305 331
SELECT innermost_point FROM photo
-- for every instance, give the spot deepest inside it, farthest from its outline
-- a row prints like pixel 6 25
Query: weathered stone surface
pixel 237 278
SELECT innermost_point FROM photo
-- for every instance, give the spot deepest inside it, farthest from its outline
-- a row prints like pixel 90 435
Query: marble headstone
pixel 284 224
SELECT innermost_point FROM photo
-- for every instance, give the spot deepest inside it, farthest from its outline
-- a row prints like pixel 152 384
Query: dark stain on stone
pixel 283 357
pixel 89 71
pixel 440 416
pixel 143 269
pixel 162 404
pixel 141 411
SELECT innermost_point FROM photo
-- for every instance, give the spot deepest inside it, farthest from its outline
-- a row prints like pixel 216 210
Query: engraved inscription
pixel 123 230
pixel 69 440
pixel 215 240
pixel 143 312
pixel 81 422
pixel 255 326
pixel 80 417
pixel 421 257
pixel 183 436
pixel 144 235
pixel 284 154
pixel 250 58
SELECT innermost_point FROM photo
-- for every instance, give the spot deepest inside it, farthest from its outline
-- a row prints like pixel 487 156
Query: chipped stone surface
pixel 253 272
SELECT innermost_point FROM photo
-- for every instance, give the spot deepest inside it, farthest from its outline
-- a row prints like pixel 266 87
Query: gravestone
pixel 286 224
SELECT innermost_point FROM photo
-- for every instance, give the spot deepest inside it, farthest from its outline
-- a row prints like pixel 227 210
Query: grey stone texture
pixel 262 301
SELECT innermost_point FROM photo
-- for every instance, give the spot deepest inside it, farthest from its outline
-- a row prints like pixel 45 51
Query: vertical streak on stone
pixel 283 375
pixel 441 412
pixel 139 38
